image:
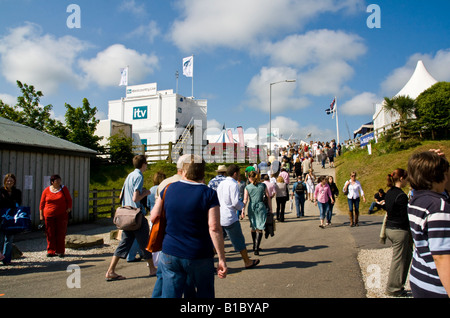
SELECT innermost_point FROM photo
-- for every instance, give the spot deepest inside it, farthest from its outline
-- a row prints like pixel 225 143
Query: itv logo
pixel 140 112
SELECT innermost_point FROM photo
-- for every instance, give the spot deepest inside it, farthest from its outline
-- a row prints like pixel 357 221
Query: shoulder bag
pixel 128 218
pixel 158 229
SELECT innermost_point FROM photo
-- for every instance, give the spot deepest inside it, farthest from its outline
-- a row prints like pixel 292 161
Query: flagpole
pixel 337 121
pixel 192 77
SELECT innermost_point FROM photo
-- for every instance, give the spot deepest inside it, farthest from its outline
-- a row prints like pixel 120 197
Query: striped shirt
pixel 429 219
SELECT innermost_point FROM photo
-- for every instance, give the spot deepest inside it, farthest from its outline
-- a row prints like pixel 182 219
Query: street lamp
pixel 270 111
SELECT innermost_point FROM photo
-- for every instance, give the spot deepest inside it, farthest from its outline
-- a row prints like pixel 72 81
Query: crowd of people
pixel 200 216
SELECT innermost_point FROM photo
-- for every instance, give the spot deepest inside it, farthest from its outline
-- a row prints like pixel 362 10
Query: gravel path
pixel 35 253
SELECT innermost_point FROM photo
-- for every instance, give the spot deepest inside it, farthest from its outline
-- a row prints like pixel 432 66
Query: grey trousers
pixel 402 245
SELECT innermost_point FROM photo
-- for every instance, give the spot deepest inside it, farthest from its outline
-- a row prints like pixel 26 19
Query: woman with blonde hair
pixel 257 212
pixel 354 191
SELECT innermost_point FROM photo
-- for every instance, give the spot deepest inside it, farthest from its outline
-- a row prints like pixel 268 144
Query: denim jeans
pixel 352 202
pixel 6 242
pixel 330 212
pixel 177 276
pixel 323 209
pixel 300 205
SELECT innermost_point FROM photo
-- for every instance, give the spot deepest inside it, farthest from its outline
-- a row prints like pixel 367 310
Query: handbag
pixel 128 218
pixel 15 220
pixel 345 192
pixel 158 229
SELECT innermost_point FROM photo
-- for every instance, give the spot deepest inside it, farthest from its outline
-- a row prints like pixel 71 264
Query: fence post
pixel 113 207
pixel 94 206
pixel 170 152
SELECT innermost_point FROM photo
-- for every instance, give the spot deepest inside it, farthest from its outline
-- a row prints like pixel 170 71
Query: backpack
pixel 300 189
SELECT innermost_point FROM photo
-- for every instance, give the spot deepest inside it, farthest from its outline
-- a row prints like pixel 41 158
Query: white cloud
pixel 362 104
pixel 40 60
pixel 315 47
pixel 437 65
pixel 104 69
pixel 284 95
pixel 149 31
pixel 287 127
pixel 8 99
pixel 132 7
pixel 237 24
pixel 321 57
pixel 214 124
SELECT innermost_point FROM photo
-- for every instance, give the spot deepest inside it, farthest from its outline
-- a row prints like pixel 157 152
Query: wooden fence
pixel 396 129
pixel 156 152
pixel 103 202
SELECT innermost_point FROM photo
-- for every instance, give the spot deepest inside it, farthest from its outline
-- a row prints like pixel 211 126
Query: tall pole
pixel 270 111
pixel 176 76
pixel 192 77
pixel 337 122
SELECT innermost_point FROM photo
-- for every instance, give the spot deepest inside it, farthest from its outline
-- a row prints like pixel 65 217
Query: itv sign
pixel 140 112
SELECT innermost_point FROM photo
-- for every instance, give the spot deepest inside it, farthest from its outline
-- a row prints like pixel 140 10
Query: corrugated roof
pixel 17 134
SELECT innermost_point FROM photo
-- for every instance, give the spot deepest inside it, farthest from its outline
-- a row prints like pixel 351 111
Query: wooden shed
pixel 33 156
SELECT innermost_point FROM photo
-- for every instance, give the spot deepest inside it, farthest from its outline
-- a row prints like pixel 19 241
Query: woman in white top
pixel 354 191
pixel 310 178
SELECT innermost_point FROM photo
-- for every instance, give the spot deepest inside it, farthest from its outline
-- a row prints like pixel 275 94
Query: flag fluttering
pixel 124 76
pixel 332 108
pixel 188 66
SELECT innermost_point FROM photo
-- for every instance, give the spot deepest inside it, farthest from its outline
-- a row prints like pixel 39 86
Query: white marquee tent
pixel 420 81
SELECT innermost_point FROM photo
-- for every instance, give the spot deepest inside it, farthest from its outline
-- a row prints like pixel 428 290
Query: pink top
pixel 322 193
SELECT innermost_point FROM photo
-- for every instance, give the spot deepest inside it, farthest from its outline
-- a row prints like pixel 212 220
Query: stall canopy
pixel 420 81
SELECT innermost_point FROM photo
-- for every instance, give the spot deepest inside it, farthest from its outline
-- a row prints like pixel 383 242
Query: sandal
pixel 254 263
pixel 114 278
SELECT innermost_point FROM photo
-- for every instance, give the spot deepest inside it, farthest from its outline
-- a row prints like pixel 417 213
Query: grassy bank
pixel 372 170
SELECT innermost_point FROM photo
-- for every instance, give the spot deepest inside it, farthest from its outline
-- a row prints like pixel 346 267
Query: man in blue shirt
pixel 221 175
pixel 133 193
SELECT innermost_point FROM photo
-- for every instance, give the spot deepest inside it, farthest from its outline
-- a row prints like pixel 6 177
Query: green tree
pixel 433 110
pixel 28 110
pixel 402 105
pixel 81 125
pixel 121 148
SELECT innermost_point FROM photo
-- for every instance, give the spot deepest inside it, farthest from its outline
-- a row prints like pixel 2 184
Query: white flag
pixel 124 76
pixel 188 66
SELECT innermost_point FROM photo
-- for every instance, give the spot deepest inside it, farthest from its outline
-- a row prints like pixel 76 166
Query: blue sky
pixel 240 47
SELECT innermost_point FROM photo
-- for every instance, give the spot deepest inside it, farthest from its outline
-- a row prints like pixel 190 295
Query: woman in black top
pixel 9 198
pixel 398 232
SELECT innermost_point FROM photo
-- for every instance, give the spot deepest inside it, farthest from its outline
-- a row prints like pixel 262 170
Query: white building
pixel 108 127
pixel 157 117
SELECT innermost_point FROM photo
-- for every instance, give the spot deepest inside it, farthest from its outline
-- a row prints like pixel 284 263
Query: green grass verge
pixel 372 170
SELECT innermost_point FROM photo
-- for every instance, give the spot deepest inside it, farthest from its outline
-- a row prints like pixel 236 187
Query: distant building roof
pixel 20 137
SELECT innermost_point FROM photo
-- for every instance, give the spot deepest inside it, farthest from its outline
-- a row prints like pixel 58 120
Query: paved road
pixel 300 261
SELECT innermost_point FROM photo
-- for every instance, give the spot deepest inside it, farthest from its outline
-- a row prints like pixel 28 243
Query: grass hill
pixel 372 170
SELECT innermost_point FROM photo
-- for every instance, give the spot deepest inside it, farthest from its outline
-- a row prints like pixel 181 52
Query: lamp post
pixel 270 110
